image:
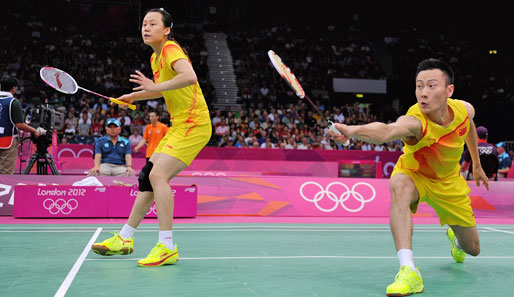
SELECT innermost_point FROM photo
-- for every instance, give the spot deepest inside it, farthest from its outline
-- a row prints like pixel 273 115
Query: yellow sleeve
pixel 172 52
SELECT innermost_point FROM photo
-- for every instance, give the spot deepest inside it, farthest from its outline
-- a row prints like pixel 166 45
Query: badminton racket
pixel 65 83
pixel 291 80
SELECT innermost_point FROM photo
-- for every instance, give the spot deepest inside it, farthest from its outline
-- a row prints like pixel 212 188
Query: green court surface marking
pixel 249 260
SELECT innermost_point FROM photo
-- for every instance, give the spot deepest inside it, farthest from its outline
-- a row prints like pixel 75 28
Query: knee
pixel 144 178
pixel 155 176
pixel 403 192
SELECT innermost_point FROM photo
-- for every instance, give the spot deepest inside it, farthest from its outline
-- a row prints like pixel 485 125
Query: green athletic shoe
pixel 115 245
pixel 406 282
pixel 159 255
pixel 457 254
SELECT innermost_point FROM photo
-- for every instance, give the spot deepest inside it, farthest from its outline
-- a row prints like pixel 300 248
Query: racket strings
pixel 59 80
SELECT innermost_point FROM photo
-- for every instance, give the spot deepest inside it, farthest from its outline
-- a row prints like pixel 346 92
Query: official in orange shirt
pixel 434 132
pixel 154 132
pixel 174 79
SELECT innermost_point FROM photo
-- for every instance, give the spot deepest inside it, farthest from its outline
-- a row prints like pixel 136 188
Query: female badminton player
pixel 176 81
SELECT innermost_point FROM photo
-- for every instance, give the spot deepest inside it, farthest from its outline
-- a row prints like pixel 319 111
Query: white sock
pixel 127 231
pixel 166 238
pixel 456 241
pixel 405 258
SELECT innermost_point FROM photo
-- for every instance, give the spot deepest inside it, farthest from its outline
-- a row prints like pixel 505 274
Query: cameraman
pixel 11 119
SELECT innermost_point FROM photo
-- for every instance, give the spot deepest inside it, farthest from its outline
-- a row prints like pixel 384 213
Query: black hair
pixel 7 83
pixel 432 63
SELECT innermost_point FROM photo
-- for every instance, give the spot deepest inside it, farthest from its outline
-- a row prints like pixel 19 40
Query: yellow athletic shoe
pixel 457 254
pixel 115 245
pixel 159 255
pixel 406 282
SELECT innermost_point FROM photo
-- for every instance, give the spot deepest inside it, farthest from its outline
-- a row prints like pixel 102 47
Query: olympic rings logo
pixel 209 174
pixel 60 206
pixel 338 200
pixel 75 154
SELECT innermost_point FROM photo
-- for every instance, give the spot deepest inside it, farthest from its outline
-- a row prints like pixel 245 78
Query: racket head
pixel 59 80
pixel 286 74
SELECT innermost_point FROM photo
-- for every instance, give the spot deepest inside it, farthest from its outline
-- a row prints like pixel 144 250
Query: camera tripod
pixel 42 159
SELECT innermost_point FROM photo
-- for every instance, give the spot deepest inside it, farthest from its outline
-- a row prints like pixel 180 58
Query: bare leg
pixel 142 203
pixel 403 194
pixel 468 239
pixel 164 169
pixel 141 206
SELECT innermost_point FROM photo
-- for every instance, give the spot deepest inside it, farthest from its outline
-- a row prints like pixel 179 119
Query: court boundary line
pixel 301 257
pixel 280 226
pixel 74 270
pixel 499 230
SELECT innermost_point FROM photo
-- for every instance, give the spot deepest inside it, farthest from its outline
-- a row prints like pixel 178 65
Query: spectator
pixel 135 138
pixel 154 132
pixel 217 117
pixel 71 120
pixel 96 127
pixel 126 119
pixel 504 160
pixel 69 131
pixel 112 152
pixel 222 129
pixel 84 125
pixel 101 105
pixel 304 144
pixel 125 129
pixel 484 148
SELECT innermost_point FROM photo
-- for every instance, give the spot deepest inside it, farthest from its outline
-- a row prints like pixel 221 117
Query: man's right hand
pixel 94 172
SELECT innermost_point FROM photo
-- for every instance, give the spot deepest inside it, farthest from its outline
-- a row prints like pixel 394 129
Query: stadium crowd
pixel 269 115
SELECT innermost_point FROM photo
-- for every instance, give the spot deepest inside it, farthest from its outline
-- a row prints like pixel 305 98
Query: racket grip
pixel 334 129
pixel 130 106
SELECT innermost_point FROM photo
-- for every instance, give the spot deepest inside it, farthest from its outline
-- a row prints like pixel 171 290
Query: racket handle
pixel 130 106
pixel 332 127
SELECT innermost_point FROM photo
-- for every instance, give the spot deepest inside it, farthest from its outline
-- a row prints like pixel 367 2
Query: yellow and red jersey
pixel 437 154
pixel 186 105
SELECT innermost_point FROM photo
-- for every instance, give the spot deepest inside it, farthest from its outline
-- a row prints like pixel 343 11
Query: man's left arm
pixel 472 143
pixel 506 168
pixel 17 116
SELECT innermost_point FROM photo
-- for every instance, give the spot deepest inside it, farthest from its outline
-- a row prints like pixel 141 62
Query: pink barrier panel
pixel 121 200
pixel 388 159
pixel 35 201
pixel 286 196
pixel 297 196
pixel 60 202
pixel 80 166
pixel 276 167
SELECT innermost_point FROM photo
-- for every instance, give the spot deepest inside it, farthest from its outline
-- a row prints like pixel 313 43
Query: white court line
pixel 249 229
pixel 221 230
pixel 279 226
pixel 498 230
pixel 301 257
pixel 73 272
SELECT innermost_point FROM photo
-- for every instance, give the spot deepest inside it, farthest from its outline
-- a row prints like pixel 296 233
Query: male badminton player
pixel 434 131
pixel 176 81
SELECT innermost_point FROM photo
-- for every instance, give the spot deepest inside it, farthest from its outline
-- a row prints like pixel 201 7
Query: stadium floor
pixel 53 258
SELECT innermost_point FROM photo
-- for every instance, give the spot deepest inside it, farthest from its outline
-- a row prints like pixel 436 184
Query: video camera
pixel 47 118
pixel 40 115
